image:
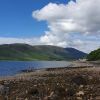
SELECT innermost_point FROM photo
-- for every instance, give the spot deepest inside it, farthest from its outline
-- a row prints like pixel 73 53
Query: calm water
pixel 13 67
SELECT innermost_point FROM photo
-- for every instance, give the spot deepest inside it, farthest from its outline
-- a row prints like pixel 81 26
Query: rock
pixel 80 93
pixel 1 89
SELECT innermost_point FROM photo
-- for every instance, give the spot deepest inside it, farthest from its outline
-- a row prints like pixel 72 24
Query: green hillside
pixel 94 55
pixel 41 52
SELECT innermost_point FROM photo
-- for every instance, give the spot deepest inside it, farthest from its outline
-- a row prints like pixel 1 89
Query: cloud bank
pixel 69 25
pixel 67 21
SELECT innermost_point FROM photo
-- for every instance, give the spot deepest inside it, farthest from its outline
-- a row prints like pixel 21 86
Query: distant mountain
pixel 39 52
pixel 94 55
pixel 76 54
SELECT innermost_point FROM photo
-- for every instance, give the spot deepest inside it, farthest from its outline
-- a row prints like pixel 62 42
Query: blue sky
pixel 16 17
pixel 65 23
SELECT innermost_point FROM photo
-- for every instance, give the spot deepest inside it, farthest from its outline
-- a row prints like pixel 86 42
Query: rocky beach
pixel 76 83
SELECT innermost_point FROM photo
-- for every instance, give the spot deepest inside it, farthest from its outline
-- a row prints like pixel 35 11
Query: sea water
pixel 9 68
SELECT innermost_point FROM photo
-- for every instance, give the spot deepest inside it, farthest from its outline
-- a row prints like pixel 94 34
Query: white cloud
pixel 31 41
pixel 65 21
pixel 82 16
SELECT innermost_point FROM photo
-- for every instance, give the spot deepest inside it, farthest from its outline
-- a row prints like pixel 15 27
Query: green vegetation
pixel 43 52
pixel 94 55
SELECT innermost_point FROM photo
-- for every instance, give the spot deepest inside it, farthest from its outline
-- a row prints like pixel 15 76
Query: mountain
pixel 76 54
pixel 39 52
pixel 94 55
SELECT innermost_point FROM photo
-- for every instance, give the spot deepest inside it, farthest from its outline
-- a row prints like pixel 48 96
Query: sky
pixel 65 23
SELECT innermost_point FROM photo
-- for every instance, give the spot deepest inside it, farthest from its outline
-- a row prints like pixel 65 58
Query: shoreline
pixel 73 65
pixel 53 83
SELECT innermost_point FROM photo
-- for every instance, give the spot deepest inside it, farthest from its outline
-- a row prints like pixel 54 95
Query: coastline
pixel 54 83
pixel 27 72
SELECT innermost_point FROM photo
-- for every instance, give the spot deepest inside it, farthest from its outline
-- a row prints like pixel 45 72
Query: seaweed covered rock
pixel 34 92
pixel 79 80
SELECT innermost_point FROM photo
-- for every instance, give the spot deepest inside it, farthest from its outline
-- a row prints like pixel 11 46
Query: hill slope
pixel 42 52
pixel 94 55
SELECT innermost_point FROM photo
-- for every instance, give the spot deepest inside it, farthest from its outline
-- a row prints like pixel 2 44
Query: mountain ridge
pixel 38 52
